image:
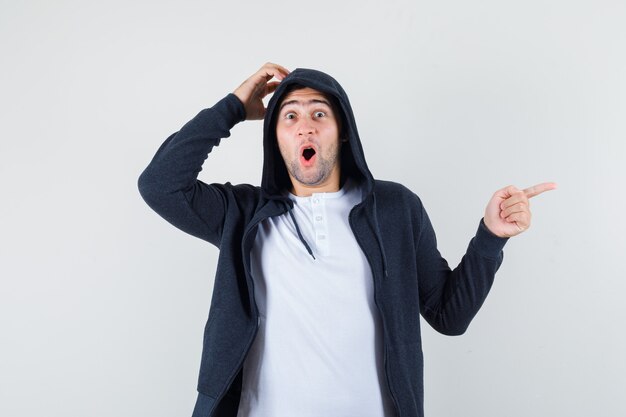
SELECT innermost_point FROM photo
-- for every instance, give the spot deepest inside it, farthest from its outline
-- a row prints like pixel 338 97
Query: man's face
pixel 308 138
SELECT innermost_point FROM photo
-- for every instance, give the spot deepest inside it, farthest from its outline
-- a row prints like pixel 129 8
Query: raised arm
pixel 169 184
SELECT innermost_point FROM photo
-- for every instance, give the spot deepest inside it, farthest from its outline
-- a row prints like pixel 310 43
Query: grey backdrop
pixel 102 303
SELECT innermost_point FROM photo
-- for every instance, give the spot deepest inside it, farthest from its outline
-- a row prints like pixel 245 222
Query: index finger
pixel 274 70
pixel 539 188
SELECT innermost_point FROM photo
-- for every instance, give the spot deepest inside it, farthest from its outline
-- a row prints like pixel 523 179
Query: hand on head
pixel 252 91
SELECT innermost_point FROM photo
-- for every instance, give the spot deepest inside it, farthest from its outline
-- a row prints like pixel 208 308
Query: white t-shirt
pixel 318 351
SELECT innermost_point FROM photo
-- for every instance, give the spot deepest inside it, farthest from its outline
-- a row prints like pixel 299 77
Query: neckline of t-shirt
pixel 327 195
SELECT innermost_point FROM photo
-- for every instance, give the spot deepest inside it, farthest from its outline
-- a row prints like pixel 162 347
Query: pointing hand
pixel 508 212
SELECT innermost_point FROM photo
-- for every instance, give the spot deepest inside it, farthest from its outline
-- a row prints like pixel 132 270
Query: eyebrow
pixel 315 100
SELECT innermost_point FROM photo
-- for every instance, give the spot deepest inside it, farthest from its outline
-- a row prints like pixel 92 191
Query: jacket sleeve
pixel 169 184
pixel 449 299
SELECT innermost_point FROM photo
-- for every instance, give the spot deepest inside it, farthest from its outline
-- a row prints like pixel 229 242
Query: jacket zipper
pixel 382 318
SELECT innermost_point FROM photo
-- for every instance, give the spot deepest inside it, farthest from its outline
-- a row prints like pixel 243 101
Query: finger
pixel 274 70
pixel 271 87
pixel 522 220
pixel 516 208
pixel 284 71
pixel 539 188
pixel 507 192
pixel 262 77
pixel 265 88
pixel 518 197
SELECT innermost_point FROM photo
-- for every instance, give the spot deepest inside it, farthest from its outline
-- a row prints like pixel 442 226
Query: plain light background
pixel 103 304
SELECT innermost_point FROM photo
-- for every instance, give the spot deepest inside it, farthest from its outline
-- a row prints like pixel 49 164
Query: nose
pixel 305 128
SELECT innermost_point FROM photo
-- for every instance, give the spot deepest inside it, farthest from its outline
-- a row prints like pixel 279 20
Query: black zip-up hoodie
pixel 390 225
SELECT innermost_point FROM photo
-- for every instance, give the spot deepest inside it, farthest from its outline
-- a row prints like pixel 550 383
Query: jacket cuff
pixel 486 243
pixel 231 109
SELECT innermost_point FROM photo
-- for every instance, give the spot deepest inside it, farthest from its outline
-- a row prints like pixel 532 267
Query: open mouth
pixel 308 153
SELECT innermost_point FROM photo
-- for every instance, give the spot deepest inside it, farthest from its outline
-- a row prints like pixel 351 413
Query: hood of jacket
pixel 275 178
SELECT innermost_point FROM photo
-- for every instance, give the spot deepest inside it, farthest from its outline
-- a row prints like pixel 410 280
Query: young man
pixel 323 271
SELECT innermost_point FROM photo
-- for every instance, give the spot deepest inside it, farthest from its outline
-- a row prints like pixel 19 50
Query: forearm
pixel 179 160
pixel 451 298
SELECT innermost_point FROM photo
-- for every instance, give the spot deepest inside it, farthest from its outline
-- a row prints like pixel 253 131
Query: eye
pixel 320 114
pixel 290 115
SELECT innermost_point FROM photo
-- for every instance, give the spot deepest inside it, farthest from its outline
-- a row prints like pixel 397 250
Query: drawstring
pixel 376 225
pixel 379 238
pixel 306 245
